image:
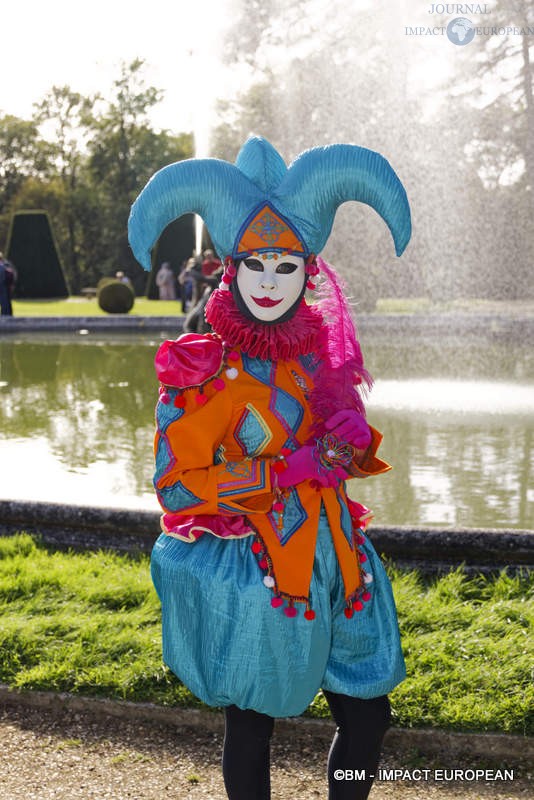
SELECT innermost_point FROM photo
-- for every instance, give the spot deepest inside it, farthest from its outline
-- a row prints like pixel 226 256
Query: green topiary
pixel 31 248
pixel 175 245
pixel 114 296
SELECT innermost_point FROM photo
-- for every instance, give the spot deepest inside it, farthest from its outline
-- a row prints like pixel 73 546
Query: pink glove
pixel 303 465
pixel 350 426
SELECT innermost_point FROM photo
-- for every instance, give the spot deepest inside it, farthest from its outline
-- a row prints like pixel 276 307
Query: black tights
pixel 361 725
pixel 246 754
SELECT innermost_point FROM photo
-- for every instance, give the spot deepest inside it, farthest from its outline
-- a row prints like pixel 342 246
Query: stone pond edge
pixel 432 550
pixel 495 747
pixel 519 326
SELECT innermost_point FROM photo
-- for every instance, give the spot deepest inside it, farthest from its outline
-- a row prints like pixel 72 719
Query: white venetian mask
pixel 269 286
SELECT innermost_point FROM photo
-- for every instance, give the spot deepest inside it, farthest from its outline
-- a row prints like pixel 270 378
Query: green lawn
pixel 90 624
pixel 423 305
pixel 80 307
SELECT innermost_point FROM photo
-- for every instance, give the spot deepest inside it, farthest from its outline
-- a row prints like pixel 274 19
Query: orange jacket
pixel 214 447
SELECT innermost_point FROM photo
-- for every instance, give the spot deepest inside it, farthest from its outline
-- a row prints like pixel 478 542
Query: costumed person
pixel 270 589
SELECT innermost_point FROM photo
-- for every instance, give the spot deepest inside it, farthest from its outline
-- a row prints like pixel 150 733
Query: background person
pixel 166 282
pixel 120 276
pixel 190 280
pixel 210 264
pixel 7 282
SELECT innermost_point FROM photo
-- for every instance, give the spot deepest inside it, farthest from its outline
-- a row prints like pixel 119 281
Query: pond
pixel 76 426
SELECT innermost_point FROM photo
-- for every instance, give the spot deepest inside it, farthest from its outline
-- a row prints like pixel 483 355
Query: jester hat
pixel 260 205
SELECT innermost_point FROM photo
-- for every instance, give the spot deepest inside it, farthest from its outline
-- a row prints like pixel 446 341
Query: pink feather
pixel 341 377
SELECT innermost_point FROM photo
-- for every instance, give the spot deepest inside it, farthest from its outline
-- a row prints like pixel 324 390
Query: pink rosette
pixel 190 360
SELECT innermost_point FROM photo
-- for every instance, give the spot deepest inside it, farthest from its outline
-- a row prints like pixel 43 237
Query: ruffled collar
pixel 295 337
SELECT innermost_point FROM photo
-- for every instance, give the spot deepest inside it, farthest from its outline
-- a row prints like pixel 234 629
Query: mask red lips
pixel 266 302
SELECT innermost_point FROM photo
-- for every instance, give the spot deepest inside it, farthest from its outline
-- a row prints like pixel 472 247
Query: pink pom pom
pixel 233 356
pixel 366 596
pixel 201 399
pixel 263 564
pixel 363 558
pixel 348 613
pixel 179 401
pixel 290 611
pixel 278 506
pixel 357 605
pixel 256 547
pixel 309 614
pixel 276 602
pixel 165 398
pixel 226 279
pixel 219 384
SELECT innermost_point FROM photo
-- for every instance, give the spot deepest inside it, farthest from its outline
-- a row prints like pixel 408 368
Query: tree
pixel 62 111
pixel 123 152
pixel 97 157
pixel 500 147
pixel 509 55
pixel 23 154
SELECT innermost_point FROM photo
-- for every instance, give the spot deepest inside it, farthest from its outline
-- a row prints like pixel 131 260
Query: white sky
pixel 81 45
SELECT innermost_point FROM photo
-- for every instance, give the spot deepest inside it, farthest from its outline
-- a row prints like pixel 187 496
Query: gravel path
pixel 66 756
